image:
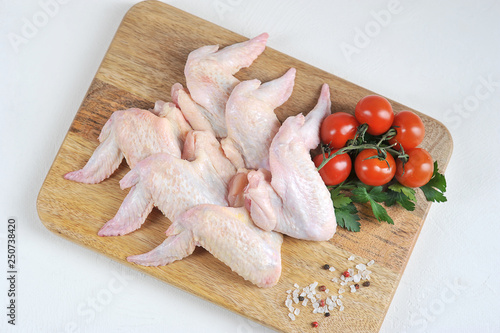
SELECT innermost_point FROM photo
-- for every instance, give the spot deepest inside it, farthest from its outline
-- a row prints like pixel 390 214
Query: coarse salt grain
pixel 341 296
pixel 313 285
pixel 296 285
pixel 343 283
pixel 341 290
pixel 321 310
pixel 351 258
pixel 302 294
pixel 371 262
pixel 295 300
pixel 315 305
pixel 296 312
pixel 342 277
pixel 339 302
pixel 353 289
pixel 327 291
pixel 288 303
pixel 341 308
pixel 351 271
pixel 361 267
pixel 357 278
pixel 313 299
pixel 290 309
pixel 315 310
pixel 335 280
pixel 328 301
pixel 332 269
pixel 304 303
pixel 292 316
pixel 331 306
pixel 289 291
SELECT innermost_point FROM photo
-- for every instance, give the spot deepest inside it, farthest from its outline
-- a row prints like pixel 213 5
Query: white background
pixel 434 56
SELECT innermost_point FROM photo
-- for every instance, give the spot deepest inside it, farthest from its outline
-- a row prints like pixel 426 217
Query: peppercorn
pixel 315 324
pixel 301 298
pixel 322 302
pixel 356 286
pixel 322 288
pixel 327 314
pixel 346 274
pixel 366 284
pixel 326 266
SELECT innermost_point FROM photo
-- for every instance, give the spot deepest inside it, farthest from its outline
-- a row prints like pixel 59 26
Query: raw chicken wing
pixel 251 121
pixel 296 202
pixel 230 235
pixel 209 77
pixel 172 184
pixel 134 134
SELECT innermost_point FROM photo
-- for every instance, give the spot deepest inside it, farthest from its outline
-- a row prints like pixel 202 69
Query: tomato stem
pixel 360 133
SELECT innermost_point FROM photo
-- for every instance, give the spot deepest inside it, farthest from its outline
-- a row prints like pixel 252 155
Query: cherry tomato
pixel 336 170
pixel 376 111
pixel 418 170
pixel 338 128
pixel 410 130
pixel 374 171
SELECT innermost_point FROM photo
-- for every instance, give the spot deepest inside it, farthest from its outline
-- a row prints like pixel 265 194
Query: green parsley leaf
pixel 407 191
pixel 404 196
pixel 362 195
pixel 347 217
pixel 436 187
pixel 339 199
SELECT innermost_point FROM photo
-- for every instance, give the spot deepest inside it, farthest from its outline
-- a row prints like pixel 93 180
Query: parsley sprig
pixel 345 195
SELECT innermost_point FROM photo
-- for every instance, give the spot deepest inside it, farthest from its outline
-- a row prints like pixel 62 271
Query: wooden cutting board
pixel 144 60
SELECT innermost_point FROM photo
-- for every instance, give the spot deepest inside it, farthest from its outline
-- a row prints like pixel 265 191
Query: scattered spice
pixel 315 324
pixel 366 284
pixel 326 266
pixel 322 288
pixel 327 314
pixel 356 286
pixel 322 302
pixel 346 274
pixel 301 298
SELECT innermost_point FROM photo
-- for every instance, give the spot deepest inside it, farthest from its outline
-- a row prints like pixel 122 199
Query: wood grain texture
pixel 144 60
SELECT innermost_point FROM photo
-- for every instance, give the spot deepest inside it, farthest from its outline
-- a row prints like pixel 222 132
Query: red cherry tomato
pixel 376 111
pixel 338 128
pixel 410 130
pixel 336 170
pixel 374 171
pixel 418 170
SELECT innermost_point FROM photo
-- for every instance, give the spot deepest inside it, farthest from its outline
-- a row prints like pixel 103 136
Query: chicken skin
pixel 172 184
pixel 230 235
pixel 209 78
pixel 292 198
pixel 134 134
